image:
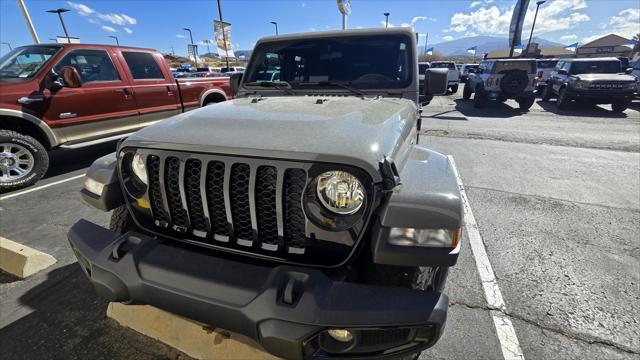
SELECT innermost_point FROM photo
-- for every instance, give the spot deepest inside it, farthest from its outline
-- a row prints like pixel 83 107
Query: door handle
pixel 127 94
pixel 169 91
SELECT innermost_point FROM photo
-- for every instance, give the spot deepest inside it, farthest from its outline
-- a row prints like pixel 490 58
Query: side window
pixel 559 65
pixel 92 65
pixel 142 65
pixel 566 65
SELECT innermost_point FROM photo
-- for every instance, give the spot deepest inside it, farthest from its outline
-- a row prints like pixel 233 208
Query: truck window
pixel 595 67
pixel 142 65
pixel 352 59
pixel 92 65
pixel 24 63
pixel 547 63
pixel 504 66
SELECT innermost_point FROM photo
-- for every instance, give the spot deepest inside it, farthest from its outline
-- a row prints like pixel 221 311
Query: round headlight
pixel 340 192
pixel 139 168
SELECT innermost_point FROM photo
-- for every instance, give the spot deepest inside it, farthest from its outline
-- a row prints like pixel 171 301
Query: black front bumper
pixel 600 96
pixel 283 308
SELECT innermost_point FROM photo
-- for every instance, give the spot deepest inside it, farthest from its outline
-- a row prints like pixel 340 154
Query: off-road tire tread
pixel 41 158
pixel 121 220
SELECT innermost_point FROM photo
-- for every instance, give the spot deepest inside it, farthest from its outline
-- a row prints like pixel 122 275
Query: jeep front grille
pixel 239 204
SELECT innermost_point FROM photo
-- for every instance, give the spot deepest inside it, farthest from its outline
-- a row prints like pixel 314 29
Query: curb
pixel 21 260
pixel 190 337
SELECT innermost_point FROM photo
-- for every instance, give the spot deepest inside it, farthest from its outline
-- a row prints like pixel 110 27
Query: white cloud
pixel 129 19
pixel 569 37
pixel 82 9
pixel 411 22
pixel 626 23
pixel 180 36
pixel 118 19
pixel 447 38
pixel 303 5
pixel 108 28
pixel 477 3
pixel 128 31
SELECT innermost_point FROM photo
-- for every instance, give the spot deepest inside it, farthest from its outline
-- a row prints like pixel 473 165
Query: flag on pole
pixel 430 51
pixel 573 47
pixel 472 50
pixel 518 49
pixel 632 43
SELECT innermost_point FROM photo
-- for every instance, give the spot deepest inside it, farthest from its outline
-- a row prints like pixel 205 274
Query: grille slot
pixel 192 175
pixel 239 188
pixel 266 214
pixel 155 192
pixel 294 181
pixel 215 201
pixel 179 216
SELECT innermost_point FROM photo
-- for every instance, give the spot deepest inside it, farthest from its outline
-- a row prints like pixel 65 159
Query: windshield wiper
pixel 279 85
pixel 344 85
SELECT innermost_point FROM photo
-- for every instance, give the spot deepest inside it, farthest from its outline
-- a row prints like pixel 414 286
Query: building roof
pixel 555 51
pixel 607 40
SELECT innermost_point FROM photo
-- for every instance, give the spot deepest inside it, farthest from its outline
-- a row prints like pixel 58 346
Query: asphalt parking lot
pixel 556 198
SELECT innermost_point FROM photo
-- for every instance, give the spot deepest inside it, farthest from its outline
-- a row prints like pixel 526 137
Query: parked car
pixel 464 71
pixel 593 81
pixel 502 79
pixel 232 69
pixel 454 75
pixel 545 67
pixel 302 214
pixel 73 95
pixel 207 74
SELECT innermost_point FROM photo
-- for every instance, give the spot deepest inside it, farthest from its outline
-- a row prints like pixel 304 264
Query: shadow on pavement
pixel 580 109
pixel 62 161
pixel 69 322
pixel 493 109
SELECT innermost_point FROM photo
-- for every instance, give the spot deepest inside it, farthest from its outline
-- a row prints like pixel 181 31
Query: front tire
pixel 562 102
pixel 479 99
pixel 526 102
pixel 466 92
pixel 122 221
pixel 23 160
pixel 454 89
pixel 620 106
pixel 547 93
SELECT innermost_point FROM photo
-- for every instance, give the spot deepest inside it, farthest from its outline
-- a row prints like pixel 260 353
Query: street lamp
pixel 115 37
pixel 386 22
pixel 276 24
pixel 534 22
pixel 59 12
pixel 6 43
pixel 195 55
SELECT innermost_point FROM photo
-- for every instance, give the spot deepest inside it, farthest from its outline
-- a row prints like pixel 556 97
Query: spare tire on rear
pixel 514 82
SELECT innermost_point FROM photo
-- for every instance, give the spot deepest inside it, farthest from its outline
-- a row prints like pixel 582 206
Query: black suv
pixel 595 81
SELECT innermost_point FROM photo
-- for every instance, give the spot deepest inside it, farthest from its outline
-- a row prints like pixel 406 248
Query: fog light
pixel 93 186
pixel 342 335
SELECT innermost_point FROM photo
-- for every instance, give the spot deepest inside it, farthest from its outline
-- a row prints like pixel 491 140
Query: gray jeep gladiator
pixel 302 214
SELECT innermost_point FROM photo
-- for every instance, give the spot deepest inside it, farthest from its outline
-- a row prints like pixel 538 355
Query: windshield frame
pixel 266 46
pixel 17 51
pixel 576 63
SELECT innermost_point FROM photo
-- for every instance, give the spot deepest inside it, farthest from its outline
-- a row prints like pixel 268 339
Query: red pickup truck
pixel 73 95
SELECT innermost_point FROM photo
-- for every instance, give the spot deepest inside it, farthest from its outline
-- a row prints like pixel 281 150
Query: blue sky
pixel 158 23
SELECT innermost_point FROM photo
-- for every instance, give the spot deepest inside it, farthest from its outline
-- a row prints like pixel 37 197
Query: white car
pixel 453 76
pixel 545 67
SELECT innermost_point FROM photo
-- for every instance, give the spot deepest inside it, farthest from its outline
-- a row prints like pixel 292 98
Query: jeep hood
pixel 346 130
pixel 606 77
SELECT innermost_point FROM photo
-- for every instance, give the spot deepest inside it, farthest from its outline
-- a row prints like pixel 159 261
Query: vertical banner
pixel 517 19
pixel 222 32
pixel 192 52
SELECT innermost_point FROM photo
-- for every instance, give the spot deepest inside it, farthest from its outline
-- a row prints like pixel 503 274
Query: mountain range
pixel 484 43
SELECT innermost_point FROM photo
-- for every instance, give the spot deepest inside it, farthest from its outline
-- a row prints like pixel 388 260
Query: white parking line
pixel 504 328
pixel 40 187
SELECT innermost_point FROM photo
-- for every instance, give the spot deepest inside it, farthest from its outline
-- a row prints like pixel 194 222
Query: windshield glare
pixel 24 63
pixel 354 60
pixel 595 67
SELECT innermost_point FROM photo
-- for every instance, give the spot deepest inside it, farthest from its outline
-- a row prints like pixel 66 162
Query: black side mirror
pixel 628 70
pixel 53 82
pixel 435 82
pixel 234 82
pixel 563 72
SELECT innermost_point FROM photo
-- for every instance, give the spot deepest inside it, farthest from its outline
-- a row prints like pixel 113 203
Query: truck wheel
pixel 454 89
pixel 479 99
pixel 122 221
pixel 526 102
pixel 23 160
pixel 547 93
pixel 466 92
pixel 562 101
pixel 620 106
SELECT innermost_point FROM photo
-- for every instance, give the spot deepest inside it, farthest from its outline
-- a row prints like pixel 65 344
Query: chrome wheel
pixel 16 162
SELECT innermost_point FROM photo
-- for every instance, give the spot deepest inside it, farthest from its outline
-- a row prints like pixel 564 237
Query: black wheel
pixel 562 101
pixel 526 102
pixel 479 98
pixel 514 82
pixel 466 92
pixel 23 160
pixel 121 220
pixel 620 106
pixel 547 93
pixel 454 89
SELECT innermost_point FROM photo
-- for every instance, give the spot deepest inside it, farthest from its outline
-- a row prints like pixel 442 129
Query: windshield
pixel 443 65
pixel 501 67
pixel 24 63
pixel 352 60
pixel 547 64
pixel 595 67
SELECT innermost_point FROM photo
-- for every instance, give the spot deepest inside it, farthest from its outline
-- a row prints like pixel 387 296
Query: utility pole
pixel 224 35
pixel 27 19
pixel 59 12
pixel 276 24
pixel 426 41
pixel 386 22
pixel 534 23
pixel 193 47
pixel 173 51
pixel 115 37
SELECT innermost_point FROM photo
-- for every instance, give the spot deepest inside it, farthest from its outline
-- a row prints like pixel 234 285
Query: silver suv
pixel 501 80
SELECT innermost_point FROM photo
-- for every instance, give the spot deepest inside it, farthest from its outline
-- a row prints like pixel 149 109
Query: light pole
pixel 115 37
pixel 6 43
pixel 386 22
pixel 534 22
pixel 276 25
pixel 59 12
pixel 195 53
pixel 224 35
